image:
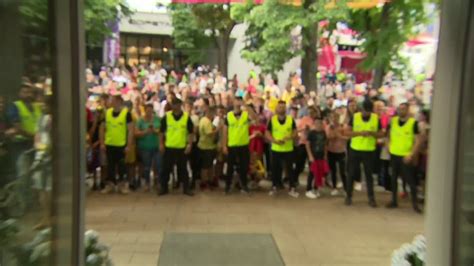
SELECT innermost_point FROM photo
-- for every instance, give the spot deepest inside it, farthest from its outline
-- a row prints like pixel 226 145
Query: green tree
pixel 97 14
pixel 270 43
pixel 197 27
pixel 384 30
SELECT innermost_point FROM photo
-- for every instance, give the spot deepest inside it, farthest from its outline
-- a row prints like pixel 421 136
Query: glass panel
pixel 25 134
pixel 156 43
pixel 464 254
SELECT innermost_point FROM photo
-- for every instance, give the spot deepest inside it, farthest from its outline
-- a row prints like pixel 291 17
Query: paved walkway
pixel 307 232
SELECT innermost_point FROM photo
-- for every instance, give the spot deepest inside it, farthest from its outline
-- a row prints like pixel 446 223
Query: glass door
pixel 464 195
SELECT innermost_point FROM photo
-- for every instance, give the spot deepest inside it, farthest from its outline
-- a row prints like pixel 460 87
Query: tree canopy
pixel 384 30
pixel 97 14
pixel 271 40
pixel 197 27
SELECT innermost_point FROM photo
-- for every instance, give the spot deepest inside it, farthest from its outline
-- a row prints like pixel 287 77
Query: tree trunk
pixel 309 66
pixel 222 43
pixel 379 74
pixel 222 49
pixel 380 70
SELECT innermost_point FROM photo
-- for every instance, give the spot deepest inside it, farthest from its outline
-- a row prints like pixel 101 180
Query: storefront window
pixel 26 135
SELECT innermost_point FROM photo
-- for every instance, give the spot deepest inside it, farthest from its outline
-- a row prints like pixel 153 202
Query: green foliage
pixel 196 27
pixel 385 29
pixel 269 43
pixel 8 233
pixel 97 13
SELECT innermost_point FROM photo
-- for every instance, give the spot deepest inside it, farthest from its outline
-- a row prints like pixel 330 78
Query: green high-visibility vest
pixel 176 131
pixel 116 128
pixel 280 132
pixel 238 133
pixel 28 118
pixel 402 138
pixel 364 143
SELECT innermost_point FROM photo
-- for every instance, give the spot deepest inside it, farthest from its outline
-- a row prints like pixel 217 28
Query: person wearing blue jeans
pixel 146 132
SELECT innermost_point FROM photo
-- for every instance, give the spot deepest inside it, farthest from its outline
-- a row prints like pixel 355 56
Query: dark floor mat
pixel 201 249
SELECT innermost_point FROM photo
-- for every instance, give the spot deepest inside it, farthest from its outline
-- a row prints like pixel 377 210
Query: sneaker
pixel 311 195
pixel 348 201
pixel 107 189
pixel 358 186
pixel 372 204
pixel 293 193
pixel 272 192
pixel 417 209
pixel 253 185
pixel 188 193
pixel 163 192
pixel 245 192
pixel 124 188
pixel 335 192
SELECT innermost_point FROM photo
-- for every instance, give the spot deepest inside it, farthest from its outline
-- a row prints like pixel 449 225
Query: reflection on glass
pixel 25 139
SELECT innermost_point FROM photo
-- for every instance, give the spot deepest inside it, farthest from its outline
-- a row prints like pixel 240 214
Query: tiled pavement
pixel 307 232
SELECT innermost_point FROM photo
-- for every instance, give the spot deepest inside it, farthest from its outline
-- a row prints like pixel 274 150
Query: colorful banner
pixel 351 3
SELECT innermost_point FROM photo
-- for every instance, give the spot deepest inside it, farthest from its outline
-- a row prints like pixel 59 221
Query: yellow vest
pixel 402 138
pixel 176 131
pixel 364 143
pixel 29 119
pixel 116 128
pixel 280 132
pixel 238 133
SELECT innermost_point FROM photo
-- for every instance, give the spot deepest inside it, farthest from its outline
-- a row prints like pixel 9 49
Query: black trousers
pixel 238 157
pixel 300 156
pixel 357 174
pixel 407 172
pixel 115 161
pixel 355 159
pixel 335 160
pixel 384 175
pixel 268 161
pixel 195 162
pixel 280 159
pixel 171 158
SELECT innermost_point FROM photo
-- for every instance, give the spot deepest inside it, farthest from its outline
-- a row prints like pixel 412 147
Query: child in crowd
pixel 316 147
pixel 256 146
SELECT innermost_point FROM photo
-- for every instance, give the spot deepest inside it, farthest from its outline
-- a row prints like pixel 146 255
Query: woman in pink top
pixel 337 144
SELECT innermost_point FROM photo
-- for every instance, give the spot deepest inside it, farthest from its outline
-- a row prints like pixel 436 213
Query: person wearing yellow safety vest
pixel 281 132
pixel 403 135
pixel 176 143
pixel 364 129
pixel 24 115
pixel 236 139
pixel 116 138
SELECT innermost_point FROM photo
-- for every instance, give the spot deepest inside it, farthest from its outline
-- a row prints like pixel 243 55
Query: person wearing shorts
pixel 207 147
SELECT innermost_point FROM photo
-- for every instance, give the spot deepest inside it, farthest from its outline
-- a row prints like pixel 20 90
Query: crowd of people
pixel 147 125
pixel 152 129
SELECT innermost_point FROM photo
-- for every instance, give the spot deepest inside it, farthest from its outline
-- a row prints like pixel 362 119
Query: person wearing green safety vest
pixel 364 129
pixel 24 115
pixel 404 144
pixel 116 138
pixel 281 132
pixel 236 141
pixel 176 140
pixel 27 115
